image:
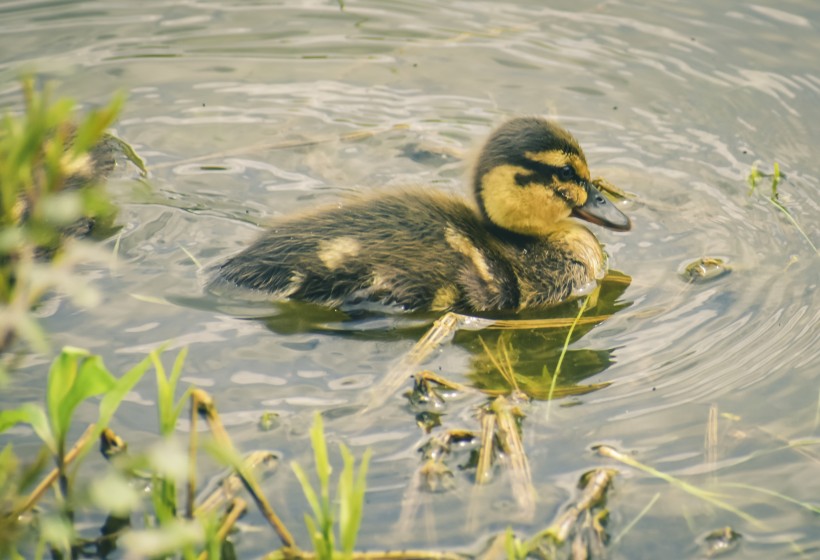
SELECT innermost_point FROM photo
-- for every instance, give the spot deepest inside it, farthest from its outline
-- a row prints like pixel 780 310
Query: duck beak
pixel 598 209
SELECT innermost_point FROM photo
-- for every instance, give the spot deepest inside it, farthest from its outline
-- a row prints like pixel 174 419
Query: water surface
pixel 248 111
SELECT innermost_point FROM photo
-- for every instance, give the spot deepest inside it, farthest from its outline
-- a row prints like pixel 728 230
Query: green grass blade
pixel 637 518
pixel 805 505
pixel 176 370
pixel 777 204
pixel 351 499
pixel 316 537
pixel 567 340
pixel 33 415
pixel 307 489
pixel 323 469
pixel 705 495
pixel 164 392
pixel 113 398
pixel 183 400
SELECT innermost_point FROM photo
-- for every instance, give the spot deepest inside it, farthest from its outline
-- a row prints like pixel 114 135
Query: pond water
pixel 245 111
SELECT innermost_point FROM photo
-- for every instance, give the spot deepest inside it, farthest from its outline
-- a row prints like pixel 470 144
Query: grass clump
pixel 42 520
pixel 75 376
pixel 350 498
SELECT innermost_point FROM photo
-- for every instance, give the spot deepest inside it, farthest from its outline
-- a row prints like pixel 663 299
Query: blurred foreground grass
pixel 51 167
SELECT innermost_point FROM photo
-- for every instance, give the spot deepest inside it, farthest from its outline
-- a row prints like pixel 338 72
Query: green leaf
pixel 513 547
pixel 176 371
pixel 33 415
pixel 323 469
pixel 166 387
pixel 75 376
pixel 111 402
pixel 183 400
pixel 93 127
pixel 121 387
pixel 345 492
pixel 10 418
pixel 351 498
pixel 775 179
pixel 164 392
pixel 315 537
pixel 307 489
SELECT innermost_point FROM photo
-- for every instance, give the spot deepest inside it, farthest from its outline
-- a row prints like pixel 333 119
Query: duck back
pixel 414 249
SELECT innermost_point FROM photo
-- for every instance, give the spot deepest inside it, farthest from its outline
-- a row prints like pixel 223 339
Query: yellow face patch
pixel 534 209
pixel 570 190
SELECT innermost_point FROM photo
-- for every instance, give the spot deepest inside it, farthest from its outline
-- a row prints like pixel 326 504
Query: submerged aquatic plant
pixel 754 177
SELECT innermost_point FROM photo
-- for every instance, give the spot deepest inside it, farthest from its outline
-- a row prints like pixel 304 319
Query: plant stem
pixel 52 476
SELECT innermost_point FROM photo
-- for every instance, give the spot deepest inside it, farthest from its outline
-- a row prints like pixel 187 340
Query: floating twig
pixel 528 324
pixel 505 368
pixel 597 483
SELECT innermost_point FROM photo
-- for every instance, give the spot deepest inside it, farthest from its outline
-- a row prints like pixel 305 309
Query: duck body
pixel 424 250
pixel 414 249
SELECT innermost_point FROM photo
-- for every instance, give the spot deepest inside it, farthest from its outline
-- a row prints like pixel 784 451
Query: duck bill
pixel 598 209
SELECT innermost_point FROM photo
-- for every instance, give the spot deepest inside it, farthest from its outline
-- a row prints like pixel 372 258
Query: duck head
pixel 532 174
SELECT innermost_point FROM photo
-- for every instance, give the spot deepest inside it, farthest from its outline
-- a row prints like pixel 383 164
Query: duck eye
pixel 566 173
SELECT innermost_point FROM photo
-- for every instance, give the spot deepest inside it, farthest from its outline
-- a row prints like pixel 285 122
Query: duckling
pixel 517 248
